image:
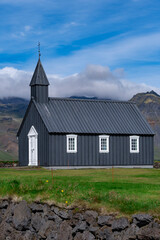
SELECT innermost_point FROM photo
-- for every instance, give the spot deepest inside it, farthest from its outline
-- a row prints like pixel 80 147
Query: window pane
pixel 71 143
pixel 103 144
pixel 134 145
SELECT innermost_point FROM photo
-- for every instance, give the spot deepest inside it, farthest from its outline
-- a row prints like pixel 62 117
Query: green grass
pixel 5 156
pixel 133 190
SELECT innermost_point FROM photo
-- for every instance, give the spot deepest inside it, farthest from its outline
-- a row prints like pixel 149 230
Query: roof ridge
pixel 90 100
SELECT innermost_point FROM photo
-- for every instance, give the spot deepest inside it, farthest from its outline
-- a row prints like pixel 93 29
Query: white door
pixel 33 150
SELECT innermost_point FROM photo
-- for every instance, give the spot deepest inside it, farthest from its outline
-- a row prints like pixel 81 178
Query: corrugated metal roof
pixel 39 76
pixel 65 115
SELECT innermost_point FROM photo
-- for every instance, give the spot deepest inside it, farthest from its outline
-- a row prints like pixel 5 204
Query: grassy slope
pixel 5 156
pixel 133 190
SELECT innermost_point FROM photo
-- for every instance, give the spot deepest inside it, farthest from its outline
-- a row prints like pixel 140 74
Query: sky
pixel 104 48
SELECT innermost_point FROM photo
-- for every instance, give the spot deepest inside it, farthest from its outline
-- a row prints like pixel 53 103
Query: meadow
pixel 121 191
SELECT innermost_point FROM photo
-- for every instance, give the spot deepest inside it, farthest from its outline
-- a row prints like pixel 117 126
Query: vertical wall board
pixel 53 151
pixel 40 93
pixel 33 119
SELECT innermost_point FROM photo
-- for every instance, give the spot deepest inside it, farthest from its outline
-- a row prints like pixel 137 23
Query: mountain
pixel 12 111
pixel 149 105
pixel 13 106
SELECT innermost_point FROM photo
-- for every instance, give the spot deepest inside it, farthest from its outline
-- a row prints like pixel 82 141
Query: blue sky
pixel 121 37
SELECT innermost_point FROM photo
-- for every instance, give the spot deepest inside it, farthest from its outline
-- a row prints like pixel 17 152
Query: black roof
pixel 66 115
pixel 39 76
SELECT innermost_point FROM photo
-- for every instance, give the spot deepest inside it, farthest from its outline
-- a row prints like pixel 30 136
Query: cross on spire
pixel 39 51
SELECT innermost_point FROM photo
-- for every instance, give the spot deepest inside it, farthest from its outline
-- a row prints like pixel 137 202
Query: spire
pixel 39 77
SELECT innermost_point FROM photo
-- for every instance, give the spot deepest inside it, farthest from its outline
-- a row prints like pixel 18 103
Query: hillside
pixel 149 105
pixel 12 111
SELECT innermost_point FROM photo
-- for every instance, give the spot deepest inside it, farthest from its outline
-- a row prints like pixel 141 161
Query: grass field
pixel 131 190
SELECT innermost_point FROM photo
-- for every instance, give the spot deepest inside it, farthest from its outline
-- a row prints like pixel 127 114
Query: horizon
pixel 101 49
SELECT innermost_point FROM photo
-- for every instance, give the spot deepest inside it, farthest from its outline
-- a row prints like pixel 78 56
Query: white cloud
pixel 95 80
pixel 27 28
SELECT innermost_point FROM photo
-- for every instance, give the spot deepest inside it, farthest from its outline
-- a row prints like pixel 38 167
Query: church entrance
pixel 33 147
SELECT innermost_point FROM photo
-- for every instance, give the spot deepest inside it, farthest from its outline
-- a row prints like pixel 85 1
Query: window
pixel 134 144
pixel 71 143
pixel 103 144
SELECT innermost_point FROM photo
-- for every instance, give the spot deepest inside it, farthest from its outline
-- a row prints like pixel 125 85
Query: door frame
pixel 33 133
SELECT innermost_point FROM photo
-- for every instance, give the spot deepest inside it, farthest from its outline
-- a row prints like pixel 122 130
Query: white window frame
pixel 75 139
pixel 136 138
pixel 104 137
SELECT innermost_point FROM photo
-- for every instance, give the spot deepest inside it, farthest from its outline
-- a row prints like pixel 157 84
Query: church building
pixel 66 132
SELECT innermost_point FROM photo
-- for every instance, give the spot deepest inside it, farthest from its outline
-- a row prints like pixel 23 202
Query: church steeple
pixel 39 84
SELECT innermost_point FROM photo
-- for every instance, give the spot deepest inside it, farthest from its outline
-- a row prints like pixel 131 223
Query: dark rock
pixel 47 228
pixel 55 209
pixel 70 214
pixel 87 236
pixel 91 217
pixel 91 213
pixel 5 230
pixel 105 220
pixel 30 236
pixel 65 231
pixel 78 216
pixel 103 233
pixel 53 216
pixel 22 216
pixel 4 204
pixel 78 236
pixel 120 224
pixel 81 226
pixel 131 232
pixel 63 214
pixel 37 221
pixel 46 209
pixel 142 219
pixel 8 215
pixel 93 229
pixel 35 207
pixel 147 233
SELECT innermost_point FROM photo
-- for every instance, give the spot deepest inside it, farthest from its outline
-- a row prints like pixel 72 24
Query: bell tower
pixel 39 84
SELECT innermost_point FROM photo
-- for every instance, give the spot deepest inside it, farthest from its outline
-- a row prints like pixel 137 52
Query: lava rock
pixel 37 221
pixel 81 226
pixel 142 219
pixel 63 214
pixel 87 236
pixel 78 216
pixel 35 207
pixel 3 204
pixel 105 220
pixel 90 217
pixel 120 224
pixel 147 233
pixel 53 216
pixel 65 231
pixel 104 233
pixel 22 216
pixel 47 228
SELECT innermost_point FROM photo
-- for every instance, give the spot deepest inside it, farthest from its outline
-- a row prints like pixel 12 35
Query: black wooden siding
pixel 40 93
pixel 52 147
pixel 33 118
pixel 88 151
